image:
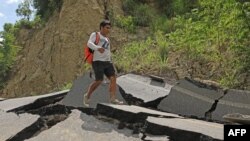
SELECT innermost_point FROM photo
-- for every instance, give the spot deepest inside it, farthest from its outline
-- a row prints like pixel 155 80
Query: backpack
pixel 88 52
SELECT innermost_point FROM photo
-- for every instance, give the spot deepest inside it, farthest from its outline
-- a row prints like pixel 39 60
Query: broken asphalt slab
pixel 48 117
pixel 189 99
pixel 57 123
pixel 237 118
pixel 148 90
pixel 130 113
pixel 161 123
pixel 100 95
pixel 234 101
pixel 79 126
pixel 12 123
pixel 18 104
pixel 135 89
pixel 195 99
pixel 180 129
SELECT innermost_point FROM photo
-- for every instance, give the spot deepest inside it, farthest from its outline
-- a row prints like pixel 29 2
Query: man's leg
pixel 110 73
pixel 92 87
pixel 99 72
pixel 98 69
pixel 112 87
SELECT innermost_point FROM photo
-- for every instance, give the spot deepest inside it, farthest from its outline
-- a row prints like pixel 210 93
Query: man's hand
pixel 101 50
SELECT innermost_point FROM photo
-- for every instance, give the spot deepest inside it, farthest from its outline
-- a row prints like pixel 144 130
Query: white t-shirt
pixel 103 43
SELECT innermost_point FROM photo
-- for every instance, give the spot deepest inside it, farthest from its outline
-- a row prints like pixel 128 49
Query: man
pixel 102 64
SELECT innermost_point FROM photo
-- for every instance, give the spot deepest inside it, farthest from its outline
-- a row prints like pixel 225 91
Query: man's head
pixel 105 26
pixel 104 23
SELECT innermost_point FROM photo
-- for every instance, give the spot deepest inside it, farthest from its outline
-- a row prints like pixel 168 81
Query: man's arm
pixel 91 42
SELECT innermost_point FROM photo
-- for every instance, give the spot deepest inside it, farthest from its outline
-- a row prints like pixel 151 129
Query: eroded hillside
pixel 51 56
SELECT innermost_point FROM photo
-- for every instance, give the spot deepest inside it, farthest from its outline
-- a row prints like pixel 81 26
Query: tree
pixel 24 9
pixel 8 51
pixel 45 8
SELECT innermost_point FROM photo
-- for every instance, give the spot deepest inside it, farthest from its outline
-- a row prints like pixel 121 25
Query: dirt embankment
pixel 51 56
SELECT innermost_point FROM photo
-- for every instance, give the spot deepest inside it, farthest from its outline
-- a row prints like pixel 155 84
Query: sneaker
pixel 116 101
pixel 85 100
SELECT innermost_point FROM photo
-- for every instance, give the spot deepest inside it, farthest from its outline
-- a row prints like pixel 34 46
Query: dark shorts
pixel 102 68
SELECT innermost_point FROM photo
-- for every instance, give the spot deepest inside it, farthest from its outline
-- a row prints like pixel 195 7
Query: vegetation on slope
pixel 203 39
pixel 211 42
pixel 8 48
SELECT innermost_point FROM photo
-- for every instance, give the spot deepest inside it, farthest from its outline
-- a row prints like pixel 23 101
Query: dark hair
pixel 104 23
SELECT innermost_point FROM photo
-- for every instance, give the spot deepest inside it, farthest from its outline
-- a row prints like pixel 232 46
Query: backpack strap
pixel 97 40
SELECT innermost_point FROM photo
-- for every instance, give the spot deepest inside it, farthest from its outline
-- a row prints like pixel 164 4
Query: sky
pixel 8 12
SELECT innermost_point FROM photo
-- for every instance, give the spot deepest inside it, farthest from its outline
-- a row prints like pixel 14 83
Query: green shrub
pixel 142 13
pixel 162 23
pixel 23 23
pixel 129 6
pixel 171 8
pixel 45 8
pixel 8 52
pixel 126 23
